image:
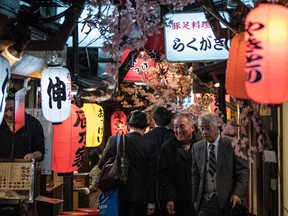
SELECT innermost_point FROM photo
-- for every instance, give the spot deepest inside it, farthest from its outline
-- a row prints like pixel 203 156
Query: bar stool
pixel 75 213
pixel 90 211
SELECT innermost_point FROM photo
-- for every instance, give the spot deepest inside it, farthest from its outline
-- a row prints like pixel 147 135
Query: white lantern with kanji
pixel 56 93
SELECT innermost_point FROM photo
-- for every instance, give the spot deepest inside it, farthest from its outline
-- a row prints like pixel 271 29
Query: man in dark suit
pixel 158 135
pixel 174 168
pixel 138 196
pixel 219 176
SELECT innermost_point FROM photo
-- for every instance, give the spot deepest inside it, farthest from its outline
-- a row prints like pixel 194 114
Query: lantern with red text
pixel 69 142
pixel 118 123
pixel 56 93
pixel 235 70
pixel 4 83
pixel 95 124
pixel 267 53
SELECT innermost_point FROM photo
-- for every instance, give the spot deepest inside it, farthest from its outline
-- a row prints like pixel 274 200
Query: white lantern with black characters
pixel 56 93
pixel 4 83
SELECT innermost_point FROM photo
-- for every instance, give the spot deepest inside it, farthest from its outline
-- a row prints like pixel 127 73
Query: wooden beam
pixel 58 40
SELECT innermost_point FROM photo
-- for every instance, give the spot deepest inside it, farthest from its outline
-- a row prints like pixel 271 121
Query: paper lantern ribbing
pixel 95 124
pixel 69 142
pixel 56 93
pixel 267 53
pixel 4 83
pixel 235 70
pixel 118 123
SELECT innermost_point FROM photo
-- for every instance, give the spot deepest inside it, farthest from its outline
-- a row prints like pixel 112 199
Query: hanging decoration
pixel 235 70
pixel 142 64
pixel 69 142
pixel 118 123
pixel 95 124
pixel 56 93
pixel 267 53
pixel 4 83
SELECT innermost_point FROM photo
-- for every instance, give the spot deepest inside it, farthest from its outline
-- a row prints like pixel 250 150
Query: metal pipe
pixel 219 19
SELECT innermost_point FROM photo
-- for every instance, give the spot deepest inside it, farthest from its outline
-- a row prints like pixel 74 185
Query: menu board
pixel 16 179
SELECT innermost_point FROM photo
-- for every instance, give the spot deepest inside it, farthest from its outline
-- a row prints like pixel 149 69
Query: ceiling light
pixel 12 55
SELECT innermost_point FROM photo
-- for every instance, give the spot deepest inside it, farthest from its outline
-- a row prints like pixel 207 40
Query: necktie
pixel 212 160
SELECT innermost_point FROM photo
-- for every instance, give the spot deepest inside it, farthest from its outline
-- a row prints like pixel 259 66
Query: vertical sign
pixel 19 117
pixel 45 165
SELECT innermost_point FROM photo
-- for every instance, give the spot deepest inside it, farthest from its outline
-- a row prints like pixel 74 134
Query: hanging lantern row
pixel 118 123
pixel 4 83
pixel 264 51
pixel 95 124
pixel 69 142
pixel 267 53
pixel 56 93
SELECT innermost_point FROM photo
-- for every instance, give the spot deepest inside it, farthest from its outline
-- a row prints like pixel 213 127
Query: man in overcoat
pixel 174 168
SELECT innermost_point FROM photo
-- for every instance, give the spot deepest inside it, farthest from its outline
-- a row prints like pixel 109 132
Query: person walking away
pixel 158 135
pixel 138 196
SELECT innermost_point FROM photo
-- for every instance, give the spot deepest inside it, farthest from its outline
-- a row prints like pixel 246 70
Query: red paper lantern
pixel 155 42
pixel 56 93
pixel 4 83
pixel 69 142
pixel 235 70
pixel 118 123
pixel 267 53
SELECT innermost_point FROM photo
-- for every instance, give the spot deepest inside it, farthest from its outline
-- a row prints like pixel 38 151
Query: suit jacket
pixel 158 136
pixel 141 187
pixel 232 172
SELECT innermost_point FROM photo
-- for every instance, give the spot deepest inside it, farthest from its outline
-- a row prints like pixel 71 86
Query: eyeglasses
pixel 207 128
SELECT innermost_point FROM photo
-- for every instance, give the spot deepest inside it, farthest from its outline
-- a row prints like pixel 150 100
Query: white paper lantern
pixel 4 83
pixel 56 93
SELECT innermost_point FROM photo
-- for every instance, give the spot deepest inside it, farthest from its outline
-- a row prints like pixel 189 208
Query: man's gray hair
pixel 185 115
pixel 208 117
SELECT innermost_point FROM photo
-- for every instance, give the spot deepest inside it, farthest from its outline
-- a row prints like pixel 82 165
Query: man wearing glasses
pixel 219 177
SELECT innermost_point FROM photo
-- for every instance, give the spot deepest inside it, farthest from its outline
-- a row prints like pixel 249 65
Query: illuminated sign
pixel 189 37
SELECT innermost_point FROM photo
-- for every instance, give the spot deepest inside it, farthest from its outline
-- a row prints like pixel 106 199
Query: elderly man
pixel 174 168
pixel 219 177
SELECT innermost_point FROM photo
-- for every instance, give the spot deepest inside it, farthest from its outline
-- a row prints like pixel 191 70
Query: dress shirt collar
pixel 216 142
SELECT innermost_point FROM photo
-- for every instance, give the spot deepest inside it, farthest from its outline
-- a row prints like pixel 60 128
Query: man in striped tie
pixel 219 177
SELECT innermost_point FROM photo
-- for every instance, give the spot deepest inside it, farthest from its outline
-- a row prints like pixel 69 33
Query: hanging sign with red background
pixel 140 64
